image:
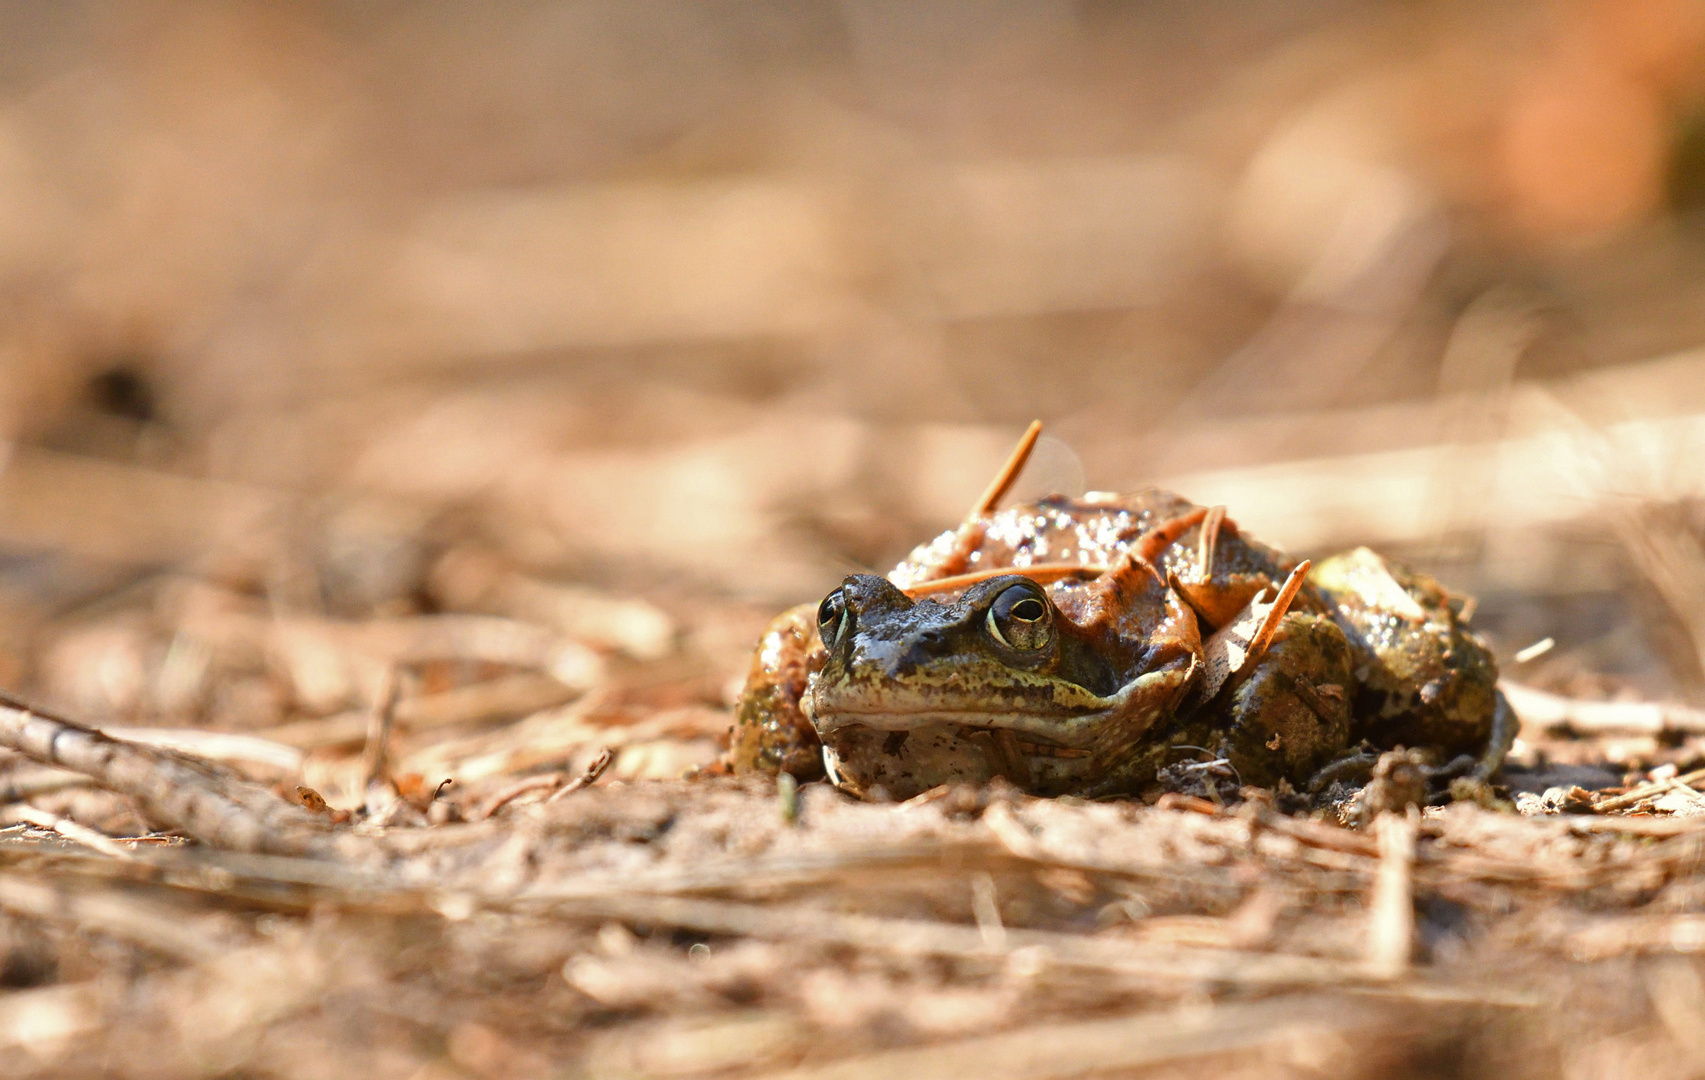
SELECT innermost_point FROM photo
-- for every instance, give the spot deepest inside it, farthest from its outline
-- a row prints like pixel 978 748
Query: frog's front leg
pixel 1288 713
pixel 771 731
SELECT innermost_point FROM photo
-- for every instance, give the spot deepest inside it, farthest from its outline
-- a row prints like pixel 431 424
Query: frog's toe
pixel 1504 727
pixel 1351 770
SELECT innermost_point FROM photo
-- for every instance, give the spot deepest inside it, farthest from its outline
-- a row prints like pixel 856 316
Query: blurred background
pixel 635 321
pixel 394 394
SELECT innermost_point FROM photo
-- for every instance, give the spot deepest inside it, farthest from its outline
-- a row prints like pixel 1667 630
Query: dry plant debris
pixel 343 349
pixel 715 926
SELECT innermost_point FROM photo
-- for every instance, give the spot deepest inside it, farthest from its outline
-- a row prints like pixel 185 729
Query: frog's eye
pixel 1021 619
pixel 830 614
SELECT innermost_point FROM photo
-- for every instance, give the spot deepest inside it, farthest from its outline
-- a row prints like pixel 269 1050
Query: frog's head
pixel 916 693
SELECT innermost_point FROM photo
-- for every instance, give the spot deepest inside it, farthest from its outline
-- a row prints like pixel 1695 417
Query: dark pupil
pixel 1028 610
pixel 830 609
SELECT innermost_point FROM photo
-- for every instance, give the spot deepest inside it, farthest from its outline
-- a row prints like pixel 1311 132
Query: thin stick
pixel 606 756
pixel 1041 573
pixel 202 798
pixel 1270 625
pixel 1647 791
pixel 1003 481
pixel 515 791
pixel 216 745
pixel 593 771
pixel 985 908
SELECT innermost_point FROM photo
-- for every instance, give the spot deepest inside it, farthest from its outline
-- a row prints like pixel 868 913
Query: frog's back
pixel 1092 530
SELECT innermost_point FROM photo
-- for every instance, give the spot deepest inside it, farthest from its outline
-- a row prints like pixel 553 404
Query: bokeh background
pixel 399 393
pixel 343 312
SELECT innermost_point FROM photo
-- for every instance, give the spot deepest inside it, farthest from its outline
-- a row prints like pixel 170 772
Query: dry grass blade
pixel 918 937
pixel 1547 710
pixel 24 783
pixel 1042 573
pixel 479 637
pixel 216 746
pixel 1391 914
pixel 1009 472
pixel 1642 792
pixel 70 830
pixel 495 699
pixel 166 930
pixel 376 752
pixel 1057 1051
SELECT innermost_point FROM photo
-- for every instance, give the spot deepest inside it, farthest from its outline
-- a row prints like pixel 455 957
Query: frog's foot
pixel 1396 779
pixel 1505 726
pixel 1352 770
pixel 1400 780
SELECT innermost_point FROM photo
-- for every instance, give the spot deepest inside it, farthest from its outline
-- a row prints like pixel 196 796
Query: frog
pixel 1091 646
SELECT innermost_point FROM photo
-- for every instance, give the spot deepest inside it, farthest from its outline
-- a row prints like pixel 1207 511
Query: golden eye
pixel 830 614
pixel 1022 618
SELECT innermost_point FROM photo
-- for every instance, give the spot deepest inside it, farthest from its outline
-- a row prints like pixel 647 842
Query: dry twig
pixel 176 790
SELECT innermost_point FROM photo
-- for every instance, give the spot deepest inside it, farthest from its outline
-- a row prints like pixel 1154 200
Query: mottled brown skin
pixel 771 733
pixel 1091 686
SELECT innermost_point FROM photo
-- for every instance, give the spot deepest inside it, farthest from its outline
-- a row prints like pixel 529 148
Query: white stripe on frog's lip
pixel 892 720
pixel 1138 704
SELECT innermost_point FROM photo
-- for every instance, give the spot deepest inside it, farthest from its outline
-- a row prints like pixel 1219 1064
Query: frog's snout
pixel 919 648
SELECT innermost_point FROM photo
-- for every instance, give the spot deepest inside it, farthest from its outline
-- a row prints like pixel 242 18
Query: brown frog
pixel 1083 646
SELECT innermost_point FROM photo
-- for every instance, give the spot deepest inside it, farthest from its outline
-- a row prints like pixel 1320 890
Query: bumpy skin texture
pixel 771 733
pixel 1091 685
pixel 1423 679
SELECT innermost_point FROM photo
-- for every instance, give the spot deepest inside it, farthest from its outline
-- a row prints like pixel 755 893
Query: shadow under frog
pixel 1080 646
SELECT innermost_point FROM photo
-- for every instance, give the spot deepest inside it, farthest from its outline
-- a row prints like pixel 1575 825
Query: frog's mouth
pixel 970 726
pixel 1064 732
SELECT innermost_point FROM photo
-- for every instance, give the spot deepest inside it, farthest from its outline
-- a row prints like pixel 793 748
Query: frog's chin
pixel 900 763
pixel 904 747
